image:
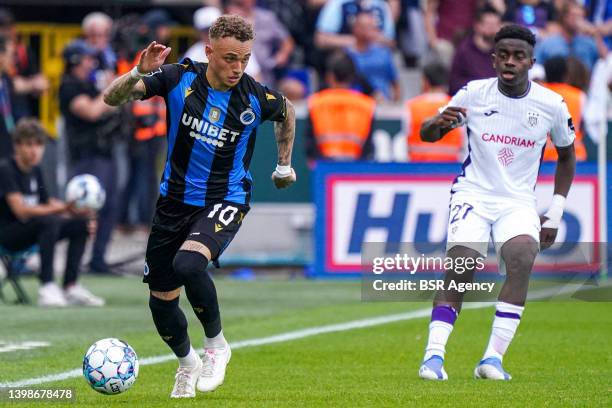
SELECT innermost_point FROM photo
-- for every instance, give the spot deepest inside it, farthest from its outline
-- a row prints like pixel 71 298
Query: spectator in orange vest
pixel 557 80
pixel 424 106
pixel 339 118
pixel 148 120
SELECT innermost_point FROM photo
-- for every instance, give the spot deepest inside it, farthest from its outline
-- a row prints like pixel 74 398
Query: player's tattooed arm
pixel 129 87
pixel 435 128
pixel 124 89
pixel 285 135
pixel 284 131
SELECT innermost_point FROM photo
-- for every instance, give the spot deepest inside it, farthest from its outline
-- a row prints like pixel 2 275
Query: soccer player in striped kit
pixel 214 110
pixel 508 119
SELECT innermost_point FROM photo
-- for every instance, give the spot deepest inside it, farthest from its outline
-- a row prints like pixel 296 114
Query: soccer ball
pixel 86 192
pixel 110 366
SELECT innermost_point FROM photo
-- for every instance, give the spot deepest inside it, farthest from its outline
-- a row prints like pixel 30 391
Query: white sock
pixel 438 336
pixel 217 342
pixel 190 360
pixel 507 319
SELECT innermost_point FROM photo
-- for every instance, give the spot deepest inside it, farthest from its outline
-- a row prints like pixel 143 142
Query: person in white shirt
pixel 508 119
pixel 203 19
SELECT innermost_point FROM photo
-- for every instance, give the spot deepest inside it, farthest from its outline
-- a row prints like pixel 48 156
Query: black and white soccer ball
pixel 86 192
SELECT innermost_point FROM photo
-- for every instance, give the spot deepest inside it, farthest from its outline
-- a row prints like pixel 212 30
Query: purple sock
pixel 442 321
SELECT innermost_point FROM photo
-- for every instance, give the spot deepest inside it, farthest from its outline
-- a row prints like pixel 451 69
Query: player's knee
pixel 187 264
pixel 520 253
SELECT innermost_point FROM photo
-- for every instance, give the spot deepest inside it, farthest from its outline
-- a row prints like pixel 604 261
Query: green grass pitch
pixel 561 355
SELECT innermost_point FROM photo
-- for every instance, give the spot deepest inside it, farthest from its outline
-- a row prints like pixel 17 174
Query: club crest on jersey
pixel 214 115
pixel 532 119
pixel 247 117
pixel 570 125
pixel 505 156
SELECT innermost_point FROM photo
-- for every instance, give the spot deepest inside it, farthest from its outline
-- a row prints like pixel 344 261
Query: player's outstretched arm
pixel 564 174
pixel 129 87
pixel 435 128
pixel 284 131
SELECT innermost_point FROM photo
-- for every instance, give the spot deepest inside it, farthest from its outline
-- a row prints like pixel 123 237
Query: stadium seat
pixel 8 259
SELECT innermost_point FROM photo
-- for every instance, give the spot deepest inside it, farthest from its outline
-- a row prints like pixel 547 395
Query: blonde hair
pixel 231 25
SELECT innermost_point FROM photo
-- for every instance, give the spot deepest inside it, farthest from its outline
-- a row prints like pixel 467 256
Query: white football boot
pixel 50 295
pixel 215 362
pixel 491 369
pixel 433 369
pixel 185 381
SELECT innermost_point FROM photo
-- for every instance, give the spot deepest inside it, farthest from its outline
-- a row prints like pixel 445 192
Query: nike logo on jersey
pixel 493 112
pixel 188 92
pixel 270 97
pixel 218 227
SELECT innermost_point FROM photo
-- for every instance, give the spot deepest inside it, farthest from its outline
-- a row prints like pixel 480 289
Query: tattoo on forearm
pixel 285 135
pixel 121 90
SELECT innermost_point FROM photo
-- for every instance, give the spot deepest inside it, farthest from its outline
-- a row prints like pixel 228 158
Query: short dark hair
pixel 516 31
pixel 556 69
pixel 436 73
pixel 232 25
pixel 483 11
pixel 341 66
pixel 29 129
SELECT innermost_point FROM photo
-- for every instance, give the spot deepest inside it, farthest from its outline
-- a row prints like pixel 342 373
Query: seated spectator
pixel 28 82
pixel 90 130
pixel 569 41
pixel 340 119
pixel 447 22
pixel 203 19
pixel 599 13
pixel 7 98
pixel 557 76
pixel 334 25
pixel 473 57
pixel 423 107
pixel 374 61
pixel 272 45
pixel 28 216
pixel 537 15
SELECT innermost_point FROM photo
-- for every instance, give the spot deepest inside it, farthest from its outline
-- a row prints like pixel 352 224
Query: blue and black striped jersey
pixel 211 133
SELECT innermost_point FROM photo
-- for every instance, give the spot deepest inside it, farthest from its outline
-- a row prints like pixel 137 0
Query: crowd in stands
pixel 342 56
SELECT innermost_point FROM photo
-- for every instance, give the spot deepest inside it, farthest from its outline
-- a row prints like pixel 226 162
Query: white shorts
pixel 474 218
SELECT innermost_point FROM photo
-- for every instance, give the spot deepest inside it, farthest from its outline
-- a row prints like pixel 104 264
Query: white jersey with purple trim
pixel 506 137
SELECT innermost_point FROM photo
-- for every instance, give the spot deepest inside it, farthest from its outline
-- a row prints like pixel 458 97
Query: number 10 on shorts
pixel 226 215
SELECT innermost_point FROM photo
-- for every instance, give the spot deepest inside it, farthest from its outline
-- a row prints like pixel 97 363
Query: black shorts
pixel 174 222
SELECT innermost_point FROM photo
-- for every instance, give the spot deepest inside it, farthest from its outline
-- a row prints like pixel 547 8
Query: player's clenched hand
pixel 450 117
pixel 547 235
pixel 283 181
pixel 153 57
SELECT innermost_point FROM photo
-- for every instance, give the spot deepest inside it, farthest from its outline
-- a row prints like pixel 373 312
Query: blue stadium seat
pixel 9 260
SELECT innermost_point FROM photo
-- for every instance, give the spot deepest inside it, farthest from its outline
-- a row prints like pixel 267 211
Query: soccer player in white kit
pixel 508 119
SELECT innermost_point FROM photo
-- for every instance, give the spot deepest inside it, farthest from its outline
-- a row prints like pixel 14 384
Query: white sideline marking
pixel 24 345
pixel 299 334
